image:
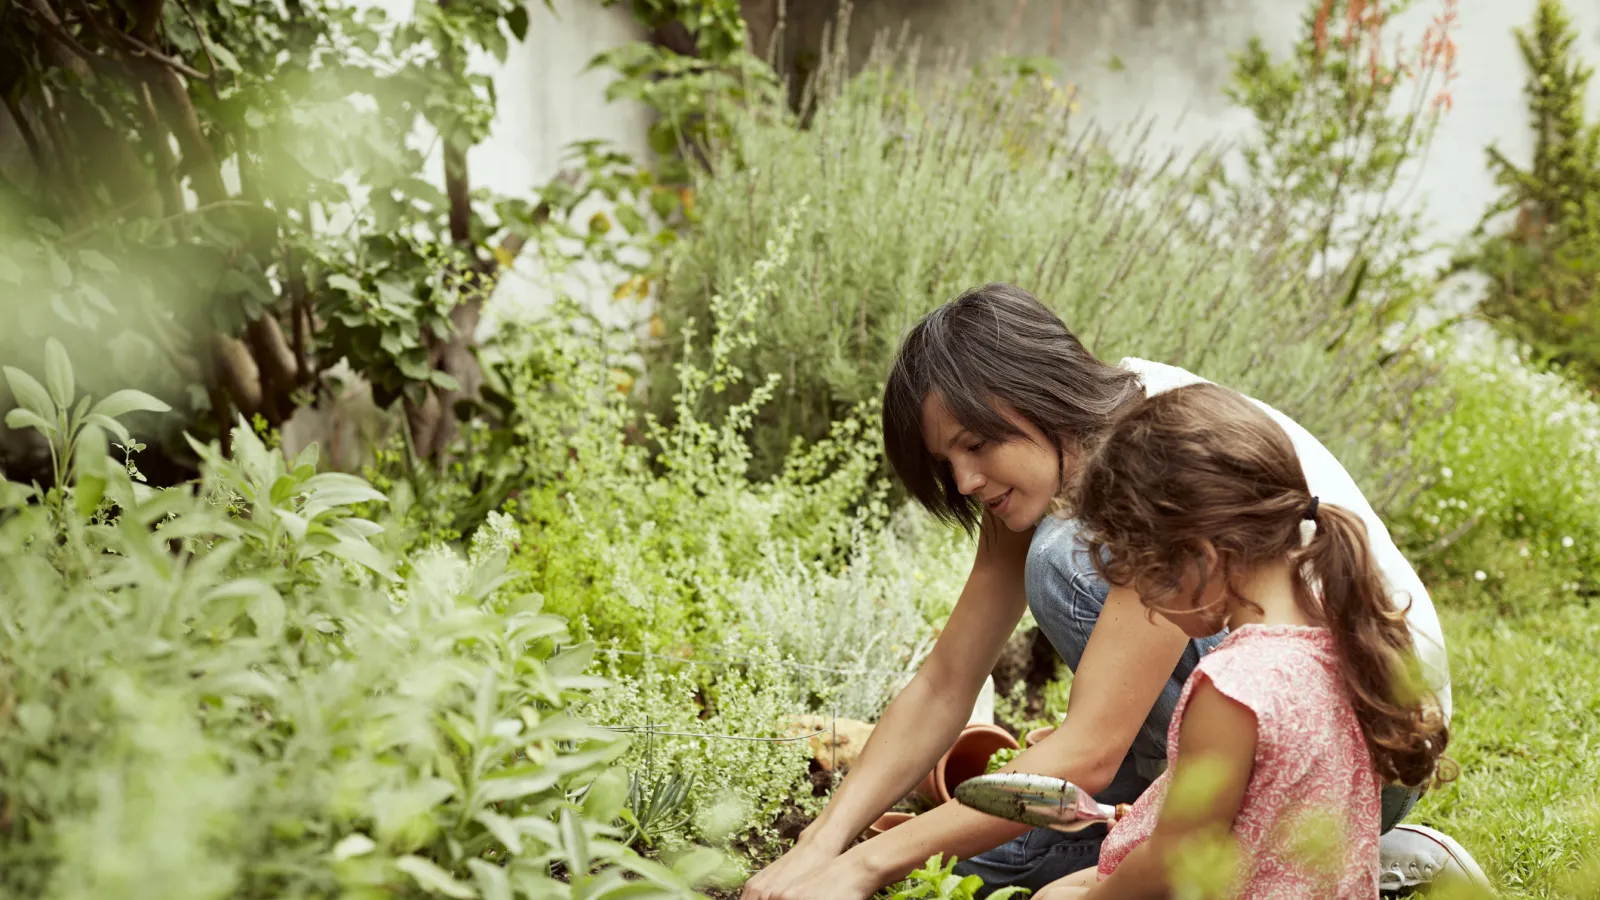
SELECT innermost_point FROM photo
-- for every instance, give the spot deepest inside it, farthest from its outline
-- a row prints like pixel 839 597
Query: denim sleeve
pixel 1066 594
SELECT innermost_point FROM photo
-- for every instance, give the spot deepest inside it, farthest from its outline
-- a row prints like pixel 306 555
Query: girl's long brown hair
pixel 1202 464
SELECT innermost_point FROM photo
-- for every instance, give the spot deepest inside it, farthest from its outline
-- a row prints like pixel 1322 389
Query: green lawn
pixel 1527 700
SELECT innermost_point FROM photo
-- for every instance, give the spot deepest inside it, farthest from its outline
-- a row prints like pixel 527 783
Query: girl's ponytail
pixel 1402 722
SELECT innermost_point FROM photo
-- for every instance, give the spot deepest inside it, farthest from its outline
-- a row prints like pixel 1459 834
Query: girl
pixel 1286 730
pixel 987 413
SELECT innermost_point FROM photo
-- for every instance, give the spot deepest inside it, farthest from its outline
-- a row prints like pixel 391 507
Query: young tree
pixel 1544 266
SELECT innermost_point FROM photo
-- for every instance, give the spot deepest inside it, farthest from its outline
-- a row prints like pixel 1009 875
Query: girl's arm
pixel 1216 752
pixel 1128 660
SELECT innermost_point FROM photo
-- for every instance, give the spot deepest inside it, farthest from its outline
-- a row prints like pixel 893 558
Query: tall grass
pixel 921 185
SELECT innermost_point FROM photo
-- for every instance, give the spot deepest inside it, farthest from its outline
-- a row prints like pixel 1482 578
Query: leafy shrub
pixel 937 879
pixel 744 769
pixel 657 543
pixel 225 690
pixel 1543 268
pixel 1509 509
pixel 637 529
pixel 916 194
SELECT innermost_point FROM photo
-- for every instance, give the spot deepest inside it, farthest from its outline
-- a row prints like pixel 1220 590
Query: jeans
pixel 1065 595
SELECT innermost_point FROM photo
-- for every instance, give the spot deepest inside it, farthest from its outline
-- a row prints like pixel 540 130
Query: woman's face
pixel 1015 479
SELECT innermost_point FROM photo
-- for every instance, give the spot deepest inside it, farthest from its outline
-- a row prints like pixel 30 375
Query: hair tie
pixel 1311 511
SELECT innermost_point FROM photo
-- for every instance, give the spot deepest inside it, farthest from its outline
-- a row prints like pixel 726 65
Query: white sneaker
pixel 1412 856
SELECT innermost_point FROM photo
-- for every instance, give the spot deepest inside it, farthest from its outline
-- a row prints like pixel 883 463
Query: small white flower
pixel 1525 553
pixel 1481 575
pixel 1446 472
pixel 1566 541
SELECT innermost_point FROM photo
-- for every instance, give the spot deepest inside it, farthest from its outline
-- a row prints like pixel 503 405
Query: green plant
pixel 936 880
pixel 1000 759
pixel 921 188
pixel 229 689
pixel 657 810
pixel 67 427
pixel 637 527
pixel 1508 506
pixel 1342 123
pixel 223 201
pixel 1543 269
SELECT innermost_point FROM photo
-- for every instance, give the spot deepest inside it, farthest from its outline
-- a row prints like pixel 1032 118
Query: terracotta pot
pixel 887 821
pixel 967 758
pixel 1037 735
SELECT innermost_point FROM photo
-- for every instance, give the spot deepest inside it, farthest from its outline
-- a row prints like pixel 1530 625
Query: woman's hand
pixel 808 872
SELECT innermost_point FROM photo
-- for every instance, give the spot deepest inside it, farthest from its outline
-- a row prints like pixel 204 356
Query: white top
pixel 1330 483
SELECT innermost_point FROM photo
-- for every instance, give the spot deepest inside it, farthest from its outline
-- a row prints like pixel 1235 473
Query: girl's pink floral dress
pixel 1312 766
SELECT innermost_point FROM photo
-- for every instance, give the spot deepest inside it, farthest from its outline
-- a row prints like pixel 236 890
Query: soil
pixel 1026 657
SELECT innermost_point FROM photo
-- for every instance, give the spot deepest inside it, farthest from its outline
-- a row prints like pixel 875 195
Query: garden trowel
pixel 1038 800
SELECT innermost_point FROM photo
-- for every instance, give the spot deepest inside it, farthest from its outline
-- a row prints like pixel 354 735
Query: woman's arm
pixel 1128 660
pixel 1216 753
pixel 916 729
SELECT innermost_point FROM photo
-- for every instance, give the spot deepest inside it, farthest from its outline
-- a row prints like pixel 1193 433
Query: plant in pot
pixel 967 758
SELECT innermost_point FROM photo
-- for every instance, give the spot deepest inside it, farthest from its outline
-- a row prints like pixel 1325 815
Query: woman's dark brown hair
pixel 994 346
pixel 1202 464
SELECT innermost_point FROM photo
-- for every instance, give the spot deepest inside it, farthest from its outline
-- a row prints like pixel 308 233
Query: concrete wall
pixel 1174 56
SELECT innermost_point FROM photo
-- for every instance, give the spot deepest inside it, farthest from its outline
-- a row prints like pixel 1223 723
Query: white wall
pixel 1175 59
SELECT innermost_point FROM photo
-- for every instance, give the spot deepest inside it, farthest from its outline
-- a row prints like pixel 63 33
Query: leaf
pixel 491 879
pixel 30 393
pixel 36 719
pixel 59 270
pixel 397 296
pixel 86 494
pixel 517 21
pixel 97 261
pixel 699 864
pixel 96 298
pixel 605 796
pixel 294 523
pixel 571 661
pixel 126 401
pixel 630 219
pixel 504 830
pixel 332 489
pixel 345 283
pixel 27 418
pixel 353 845
pixel 58 373
pixel 116 428
pixel 483 703
pixel 575 843
pixel 433 879
pixel 362 554
pixel 224 57
pixel 268 613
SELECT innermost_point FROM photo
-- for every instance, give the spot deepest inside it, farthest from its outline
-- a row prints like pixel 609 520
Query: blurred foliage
pixel 1544 269
pixel 220 201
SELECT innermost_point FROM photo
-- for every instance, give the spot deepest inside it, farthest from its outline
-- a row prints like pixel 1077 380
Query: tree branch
pixel 29 139
pixel 147 18
pixel 200 163
pixel 141 49
pixel 205 44
pixel 167 183
pixel 65 48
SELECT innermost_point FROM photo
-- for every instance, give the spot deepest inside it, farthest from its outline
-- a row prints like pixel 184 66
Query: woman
pixel 990 403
